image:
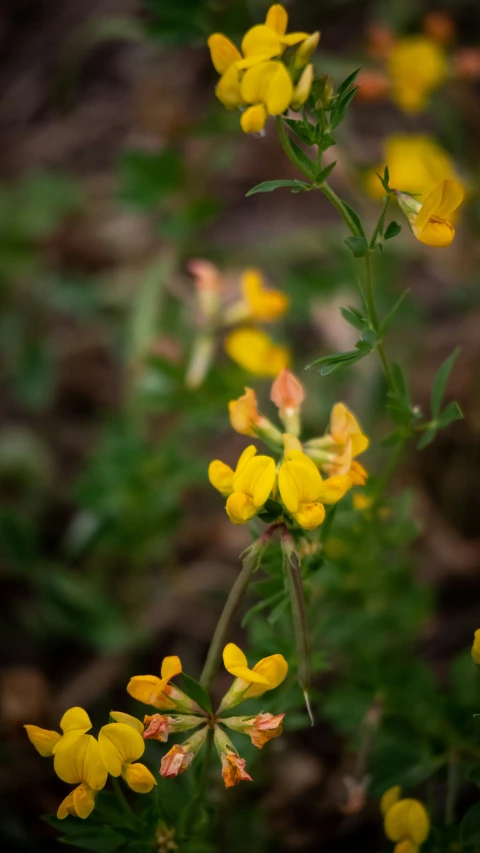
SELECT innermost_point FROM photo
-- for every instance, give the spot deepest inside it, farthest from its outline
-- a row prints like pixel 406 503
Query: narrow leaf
pixel 197 692
pixel 440 382
pixel 322 176
pixel 348 81
pixel 388 320
pixel 451 413
pixel 427 438
pixel 269 186
pixel 353 317
pixel 355 217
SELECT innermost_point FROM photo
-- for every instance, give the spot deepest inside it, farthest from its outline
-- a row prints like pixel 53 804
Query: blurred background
pixel 118 166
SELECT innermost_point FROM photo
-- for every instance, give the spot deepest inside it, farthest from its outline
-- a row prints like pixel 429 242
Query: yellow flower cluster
pixel 247 344
pixel 406 821
pixel 258 79
pixel 431 221
pixel 295 480
pixel 82 760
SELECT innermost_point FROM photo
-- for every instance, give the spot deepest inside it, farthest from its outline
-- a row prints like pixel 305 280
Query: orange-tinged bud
pixel 160 726
pixel 208 284
pixel 233 770
pixel 260 729
pixel 288 394
pixel 380 39
pixel 180 756
pixel 244 415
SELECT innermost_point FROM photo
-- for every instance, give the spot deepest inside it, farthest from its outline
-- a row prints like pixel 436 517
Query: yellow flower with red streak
pixel 255 351
pixel 416 65
pixel 406 821
pixel 431 221
pixel 256 79
pixel 248 487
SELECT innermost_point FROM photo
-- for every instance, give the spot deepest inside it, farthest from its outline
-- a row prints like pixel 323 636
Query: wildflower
pixel 180 756
pixel 248 487
pixel 208 285
pixel 476 647
pixel 416 65
pixel 159 692
pixel 246 419
pixel 233 766
pixel 405 820
pixel 256 78
pixel 263 304
pixel 253 350
pixel 306 50
pixel 334 453
pixel 304 492
pixel 288 394
pixel 74 721
pixel 160 726
pixel 431 221
pixel 267 674
pixel 260 728
pixel 416 163
pixel 121 744
pixel 77 761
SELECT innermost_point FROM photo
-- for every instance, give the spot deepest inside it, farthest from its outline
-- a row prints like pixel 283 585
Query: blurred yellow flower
pixel 407 820
pixel 304 492
pixel 431 221
pixel 417 65
pixel 77 761
pixel 389 798
pixel 476 647
pixel 264 304
pixel 253 350
pixel 416 163
pixel 121 744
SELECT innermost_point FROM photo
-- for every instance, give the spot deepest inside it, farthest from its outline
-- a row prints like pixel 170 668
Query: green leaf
pixel 302 158
pixel 348 82
pixel 101 839
pixel 324 140
pixel 323 174
pixel 269 186
pixel 146 178
pixel 352 316
pixel 451 413
pixel 440 382
pixel 357 245
pixel 384 180
pixel 427 438
pixel 470 826
pixel 388 320
pixel 392 230
pixel 400 382
pixel 356 219
pixel 304 130
pixel 369 336
pixel 197 692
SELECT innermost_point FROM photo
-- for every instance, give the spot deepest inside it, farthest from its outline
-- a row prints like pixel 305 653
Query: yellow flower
pixel 74 721
pixel 431 221
pixel 344 426
pixel 77 761
pixel 416 65
pixel 247 420
pixel 389 798
pixel 406 846
pixel 267 674
pixel 158 692
pixel 264 304
pixel 476 647
pixel 121 744
pixel 304 492
pixel 416 163
pixel 268 88
pixel 407 820
pixel 253 350
pixel 248 487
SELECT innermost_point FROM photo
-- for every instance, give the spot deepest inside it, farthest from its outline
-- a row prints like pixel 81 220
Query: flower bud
pixel 233 766
pixel 247 420
pixel 208 284
pixel 160 726
pixel 303 88
pixel 288 395
pixel 306 50
pixel 260 729
pixel 476 647
pixel 180 756
pixel 323 91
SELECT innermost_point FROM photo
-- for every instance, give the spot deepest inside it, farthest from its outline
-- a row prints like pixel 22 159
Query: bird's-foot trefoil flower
pixel 247 420
pixel 417 163
pixel 476 647
pixel 431 221
pixel 75 721
pixel 335 452
pixel 248 487
pixel 267 674
pixel 406 821
pixel 260 728
pixel 77 761
pixel 160 726
pixel 233 766
pixel 121 745
pixel 303 491
pixel 158 692
pixel 416 65
pixel 180 756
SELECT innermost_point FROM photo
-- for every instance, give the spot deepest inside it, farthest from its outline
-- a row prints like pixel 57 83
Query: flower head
pixel 267 674
pixel 417 65
pixel 254 350
pixel 431 221
pixel 335 451
pixel 303 491
pixel 248 487
pixel 416 163
pixel 121 744
pixel 158 692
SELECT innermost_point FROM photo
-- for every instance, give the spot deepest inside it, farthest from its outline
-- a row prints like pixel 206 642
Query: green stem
pixel 373 317
pixel 233 602
pixel 379 226
pixel 122 798
pixel 340 207
pixel 293 576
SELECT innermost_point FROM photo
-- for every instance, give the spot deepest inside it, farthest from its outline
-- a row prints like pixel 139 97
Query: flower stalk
pixel 291 567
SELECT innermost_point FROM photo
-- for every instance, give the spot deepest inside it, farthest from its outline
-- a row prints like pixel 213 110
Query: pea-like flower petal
pixel 43 739
pixel 223 52
pixel 119 744
pixel 138 778
pixel 78 760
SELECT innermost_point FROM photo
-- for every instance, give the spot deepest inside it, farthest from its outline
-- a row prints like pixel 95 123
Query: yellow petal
pixel 264 305
pixel 406 846
pixel 78 760
pixel 141 687
pixel 334 488
pixel 66 807
pixel 221 477
pixel 277 19
pixel 138 778
pixel 360 443
pixel 43 739
pixel 261 41
pixel 244 415
pixel 75 719
pixel 310 515
pixel 475 651
pixel 121 717
pixel 171 666
pixel 389 798
pixel 256 479
pixel 299 481
pixel 293 38
pixel 268 83
pixel 437 232
pixel 303 87
pixel 223 52
pixel 228 88
pixel 240 508
pixel 253 350
pixel 279 91
pixel 407 819
pixel 247 454
pixel 253 119
pixel 441 202
pixel 236 663
pixel 83 801
pixel 274 669
pixel 357 474
pixel 119 744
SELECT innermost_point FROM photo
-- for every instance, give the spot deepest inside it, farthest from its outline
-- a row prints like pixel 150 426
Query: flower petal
pixel 441 202
pixel 310 515
pixel 138 778
pixel 273 669
pixel 75 719
pixel 221 477
pixel 141 687
pixel 253 119
pixel 119 744
pixel 277 19
pixel 78 760
pixel 171 666
pixel 228 88
pixel 83 801
pixel 256 479
pixel 299 480
pixel 240 508
pixel 121 717
pixel 261 41
pixel 334 488
pixel 223 52
pixel 236 663
pixel 43 739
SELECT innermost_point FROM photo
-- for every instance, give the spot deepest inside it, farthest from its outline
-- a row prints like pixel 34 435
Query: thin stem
pixel 453 780
pixel 340 207
pixel 379 225
pixel 233 602
pixel 293 576
pixel 373 317
pixel 122 798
